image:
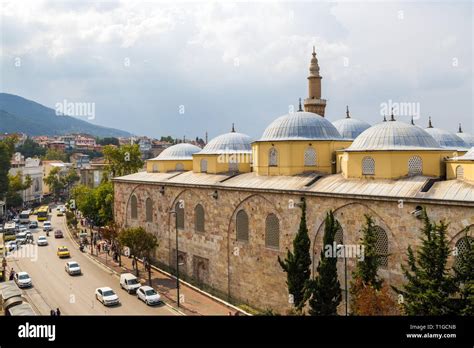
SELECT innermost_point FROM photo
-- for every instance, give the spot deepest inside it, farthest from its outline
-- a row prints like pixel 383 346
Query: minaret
pixel 314 103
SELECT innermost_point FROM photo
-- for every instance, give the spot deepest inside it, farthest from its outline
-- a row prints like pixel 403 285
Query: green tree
pixel 297 263
pixel 140 242
pixel 108 141
pixel 367 268
pixel 369 294
pixel 464 276
pixel 31 148
pixel 70 178
pixel 123 160
pixel 104 197
pixel 54 181
pixel 7 148
pixel 16 184
pixel 55 155
pixel 324 291
pixel 430 287
pixel 86 203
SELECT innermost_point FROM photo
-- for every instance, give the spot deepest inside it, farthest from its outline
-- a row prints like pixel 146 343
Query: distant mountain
pixel 18 114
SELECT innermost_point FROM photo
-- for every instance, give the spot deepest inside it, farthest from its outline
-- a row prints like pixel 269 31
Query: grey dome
pixel 446 139
pixel 394 135
pixel 468 156
pixel 467 137
pixel 300 126
pixel 232 142
pixel 179 152
pixel 350 128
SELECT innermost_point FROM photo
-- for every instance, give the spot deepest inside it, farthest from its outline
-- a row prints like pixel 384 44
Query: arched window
pixel 339 236
pixel 199 218
pixel 204 165
pixel 415 166
pixel 368 166
pixel 179 166
pixel 272 231
pixel 459 172
pixel 149 210
pixel 381 246
pixel 133 206
pixel 273 157
pixel 464 245
pixel 155 168
pixel 310 157
pixel 242 226
pixel 179 208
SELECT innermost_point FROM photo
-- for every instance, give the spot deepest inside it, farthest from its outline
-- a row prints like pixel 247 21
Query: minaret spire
pixel 460 129
pixel 300 108
pixel 347 112
pixel 392 118
pixel 412 122
pixel 314 103
pixel 384 118
pixel 429 123
pixel 233 128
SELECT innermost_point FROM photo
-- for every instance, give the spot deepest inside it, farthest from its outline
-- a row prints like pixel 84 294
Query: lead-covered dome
pixel 300 126
pixel 394 135
pixel 447 139
pixel 178 152
pixel 467 137
pixel 232 142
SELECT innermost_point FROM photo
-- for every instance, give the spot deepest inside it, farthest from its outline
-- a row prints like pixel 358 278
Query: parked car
pixel 47 226
pixel 42 240
pixel 148 295
pixel 58 234
pixel 23 280
pixel 129 282
pixel 63 252
pixel 32 225
pixel 106 296
pixel 11 245
pixel 72 268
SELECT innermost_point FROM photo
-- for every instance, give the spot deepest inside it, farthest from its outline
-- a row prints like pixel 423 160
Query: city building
pixel 33 168
pixel 233 220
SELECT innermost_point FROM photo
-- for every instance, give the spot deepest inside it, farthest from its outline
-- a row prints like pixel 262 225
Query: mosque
pixel 234 204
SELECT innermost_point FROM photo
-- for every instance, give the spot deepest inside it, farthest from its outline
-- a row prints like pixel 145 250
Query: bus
pixel 43 213
pixel 25 217
pixel 9 230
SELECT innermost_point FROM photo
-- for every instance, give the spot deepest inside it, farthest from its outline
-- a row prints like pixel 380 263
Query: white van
pixel 129 282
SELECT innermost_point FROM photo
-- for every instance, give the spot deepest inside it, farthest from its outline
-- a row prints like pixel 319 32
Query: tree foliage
pixel 464 277
pixel 141 243
pixel 123 160
pixel 55 155
pixel 324 291
pixel 31 148
pixel 95 204
pixel 16 184
pixel 430 287
pixel 297 263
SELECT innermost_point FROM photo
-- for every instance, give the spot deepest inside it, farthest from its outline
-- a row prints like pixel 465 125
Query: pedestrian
pixel 12 274
pixel 4 263
pixel 52 313
pixel 58 312
pixel 133 263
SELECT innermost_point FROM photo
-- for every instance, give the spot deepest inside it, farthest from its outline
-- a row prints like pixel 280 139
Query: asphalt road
pixel 74 295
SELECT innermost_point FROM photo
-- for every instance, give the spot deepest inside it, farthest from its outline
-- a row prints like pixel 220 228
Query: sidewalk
pixel 193 302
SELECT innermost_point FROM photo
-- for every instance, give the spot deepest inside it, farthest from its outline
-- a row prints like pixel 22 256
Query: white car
pixel 11 245
pixel 33 225
pixel 47 226
pixel 42 240
pixel 148 295
pixel 21 238
pixel 22 279
pixel 107 296
pixel 72 268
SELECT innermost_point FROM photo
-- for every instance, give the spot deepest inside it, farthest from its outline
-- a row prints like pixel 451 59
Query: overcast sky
pixel 174 68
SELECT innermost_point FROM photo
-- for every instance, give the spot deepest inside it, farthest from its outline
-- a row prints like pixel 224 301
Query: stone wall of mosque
pixel 247 271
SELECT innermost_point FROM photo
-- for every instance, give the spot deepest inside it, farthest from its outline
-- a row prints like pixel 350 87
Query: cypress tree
pixel 297 263
pixel 367 269
pixel 324 291
pixel 429 285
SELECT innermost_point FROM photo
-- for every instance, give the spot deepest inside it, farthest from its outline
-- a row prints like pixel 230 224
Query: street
pixel 74 295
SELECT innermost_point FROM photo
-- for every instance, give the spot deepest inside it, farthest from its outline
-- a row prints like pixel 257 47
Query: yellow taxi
pixel 63 252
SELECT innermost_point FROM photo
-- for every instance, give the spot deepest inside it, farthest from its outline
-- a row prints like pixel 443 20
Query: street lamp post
pixel 177 255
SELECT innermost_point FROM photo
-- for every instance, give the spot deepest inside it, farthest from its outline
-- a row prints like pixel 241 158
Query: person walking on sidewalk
pixel 12 274
pixel 58 312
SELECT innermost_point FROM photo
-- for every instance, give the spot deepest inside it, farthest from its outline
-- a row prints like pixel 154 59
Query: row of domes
pixel 300 125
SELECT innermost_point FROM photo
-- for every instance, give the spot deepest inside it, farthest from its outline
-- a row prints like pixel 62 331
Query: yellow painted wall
pixel 165 166
pixel 291 156
pixel 393 164
pixel 220 163
pixel 468 167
